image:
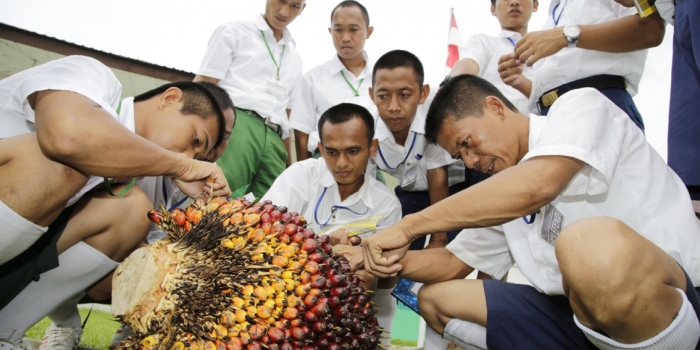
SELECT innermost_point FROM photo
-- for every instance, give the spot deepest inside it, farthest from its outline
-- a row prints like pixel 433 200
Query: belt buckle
pixel 271 125
pixel 549 98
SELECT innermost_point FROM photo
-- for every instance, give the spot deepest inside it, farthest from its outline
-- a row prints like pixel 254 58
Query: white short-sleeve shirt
pixel 238 57
pixel 416 152
pixel 78 74
pixel 308 187
pixel 486 50
pixel 624 178
pixel 323 87
pixel 571 64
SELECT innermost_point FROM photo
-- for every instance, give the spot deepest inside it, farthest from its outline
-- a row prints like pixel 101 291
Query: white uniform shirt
pixel 238 57
pixel 308 187
pixel 486 50
pixel 78 74
pixel 324 87
pixel 571 64
pixel 616 182
pixel 162 190
pixel 416 152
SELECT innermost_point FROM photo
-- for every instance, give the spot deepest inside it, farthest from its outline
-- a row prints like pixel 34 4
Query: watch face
pixel 572 31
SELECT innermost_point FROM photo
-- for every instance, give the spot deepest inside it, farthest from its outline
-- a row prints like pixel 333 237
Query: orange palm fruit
pixel 248 290
pixel 261 293
pixel 264 312
pixel 178 345
pixel 290 313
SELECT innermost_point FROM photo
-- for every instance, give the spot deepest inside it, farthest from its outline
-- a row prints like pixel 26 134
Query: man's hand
pixel 510 68
pixel 202 179
pixel 341 236
pixel 352 253
pixel 383 250
pixel 535 46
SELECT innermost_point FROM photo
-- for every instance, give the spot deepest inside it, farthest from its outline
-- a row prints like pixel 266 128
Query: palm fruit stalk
pixel 234 275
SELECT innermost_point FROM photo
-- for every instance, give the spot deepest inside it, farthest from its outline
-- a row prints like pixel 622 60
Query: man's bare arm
pixel 465 66
pixel 301 139
pixel 433 266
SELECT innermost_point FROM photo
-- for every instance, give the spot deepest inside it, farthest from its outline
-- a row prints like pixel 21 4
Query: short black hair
pixel 399 58
pixel 197 100
pixel 222 97
pixel 344 112
pixel 352 3
pixel 462 96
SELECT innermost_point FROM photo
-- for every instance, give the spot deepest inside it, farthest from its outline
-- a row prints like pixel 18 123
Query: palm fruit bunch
pixel 236 275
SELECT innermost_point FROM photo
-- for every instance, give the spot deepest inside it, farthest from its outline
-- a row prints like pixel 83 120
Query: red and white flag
pixel 454 42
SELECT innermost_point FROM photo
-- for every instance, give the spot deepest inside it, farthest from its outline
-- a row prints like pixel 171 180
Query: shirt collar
pixel 507 34
pixel 336 66
pixel 364 194
pixel 261 24
pixel 126 114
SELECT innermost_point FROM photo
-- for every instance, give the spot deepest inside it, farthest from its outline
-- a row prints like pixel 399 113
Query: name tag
pixel 551 224
pixel 276 89
pixel 409 175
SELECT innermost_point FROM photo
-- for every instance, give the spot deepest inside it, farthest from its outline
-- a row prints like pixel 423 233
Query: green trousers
pixel 255 155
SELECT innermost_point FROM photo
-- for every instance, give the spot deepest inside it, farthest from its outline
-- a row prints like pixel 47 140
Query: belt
pixel 603 81
pixel 274 127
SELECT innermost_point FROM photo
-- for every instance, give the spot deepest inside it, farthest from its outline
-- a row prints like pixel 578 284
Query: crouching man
pixel 610 247
pixel 335 191
pixel 61 137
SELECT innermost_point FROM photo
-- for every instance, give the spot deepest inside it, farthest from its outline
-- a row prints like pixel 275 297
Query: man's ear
pixel 170 97
pixel 370 30
pixel 373 147
pixel 535 5
pixel 320 147
pixel 495 105
pixel 371 94
pixel 424 93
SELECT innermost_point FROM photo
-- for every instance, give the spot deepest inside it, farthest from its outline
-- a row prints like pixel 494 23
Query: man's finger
pixel 356 240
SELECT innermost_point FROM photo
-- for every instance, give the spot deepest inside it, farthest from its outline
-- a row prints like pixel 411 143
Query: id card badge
pixel 410 174
pixel 407 292
pixel 551 224
pixel 275 88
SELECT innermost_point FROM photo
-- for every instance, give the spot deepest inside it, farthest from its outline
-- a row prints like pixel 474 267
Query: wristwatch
pixel 572 33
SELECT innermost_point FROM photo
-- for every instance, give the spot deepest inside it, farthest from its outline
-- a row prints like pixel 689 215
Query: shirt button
pixel 408 164
pixel 333 216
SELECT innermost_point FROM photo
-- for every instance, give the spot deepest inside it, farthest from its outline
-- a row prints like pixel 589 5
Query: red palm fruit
pixel 362 299
pixel 284 238
pixel 310 301
pixel 310 316
pixel 316 257
pixel 367 313
pixel 288 333
pixel 276 335
pixel 340 312
pixel 278 229
pixel 323 300
pixel 315 291
pixel 235 343
pixel 322 343
pixel 321 310
pixel 298 237
pixel 268 208
pixel 282 209
pixel 273 346
pixel 312 267
pixel 267 228
pixel 357 326
pixel 347 338
pixel 254 346
pixel 290 229
pixel 334 302
pixel 265 218
pixel 301 290
pixel 340 292
pixel 286 346
pixel 306 347
pixel 298 334
pixel 325 239
pixel 353 344
pixel 329 334
pixel 298 220
pixel 335 346
pixel 265 339
pixel 179 217
pixel 305 277
pixel 355 280
pixel 337 280
pixel 286 217
pixel 290 313
pixel 155 216
pixel 220 345
pixel 318 327
pixel 328 249
pixel 296 323
pixel 275 215
pixel 308 233
pixel 188 226
pixel 318 282
pixel 309 244
pixel 363 338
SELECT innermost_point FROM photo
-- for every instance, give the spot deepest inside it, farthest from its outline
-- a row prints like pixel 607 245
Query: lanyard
pixel 531 220
pixel 123 191
pixel 350 85
pixel 273 56
pixel 404 160
pixel 165 197
pixel 333 208
pixel 511 41
pixel 556 19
